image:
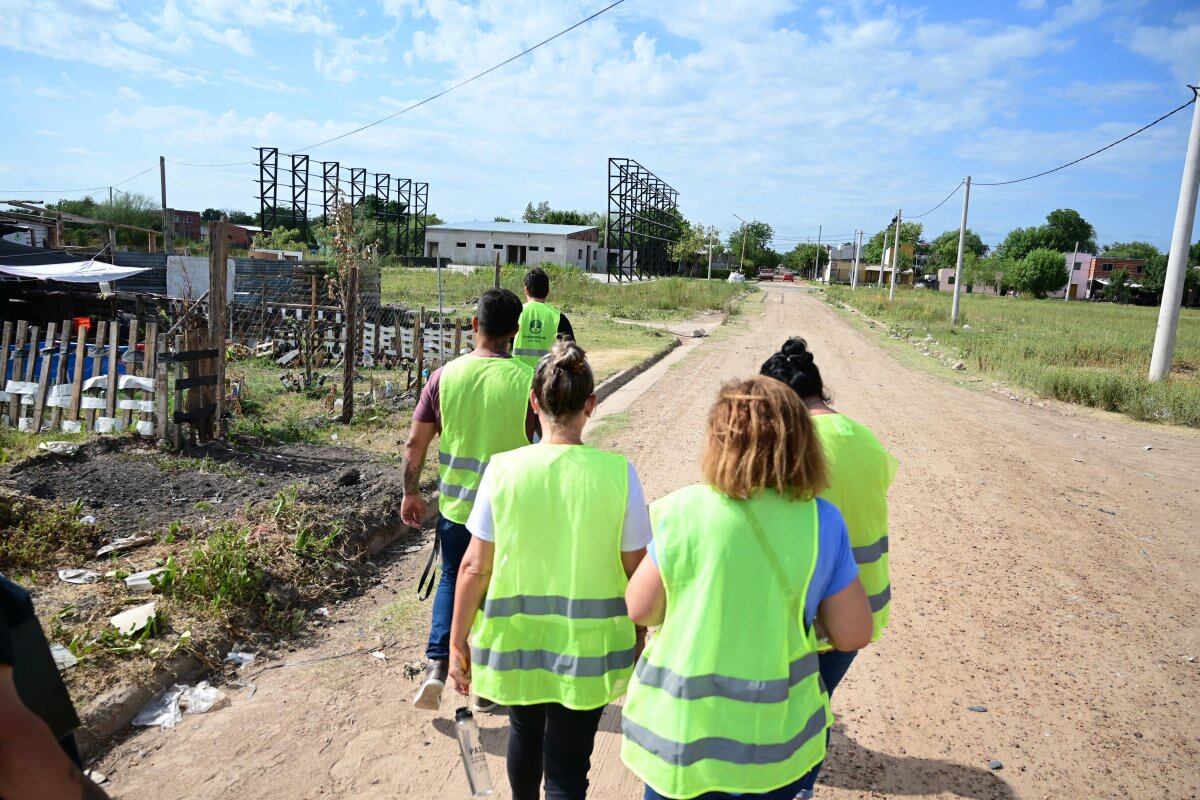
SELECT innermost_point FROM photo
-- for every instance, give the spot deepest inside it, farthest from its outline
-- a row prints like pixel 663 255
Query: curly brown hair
pixel 760 436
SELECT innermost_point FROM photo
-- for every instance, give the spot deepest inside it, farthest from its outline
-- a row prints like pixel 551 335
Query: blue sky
pixel 801 114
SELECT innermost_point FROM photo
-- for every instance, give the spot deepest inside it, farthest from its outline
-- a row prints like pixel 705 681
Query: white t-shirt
pixel 634 535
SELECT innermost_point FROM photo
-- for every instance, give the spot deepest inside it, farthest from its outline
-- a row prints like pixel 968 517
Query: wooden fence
pixel 81 378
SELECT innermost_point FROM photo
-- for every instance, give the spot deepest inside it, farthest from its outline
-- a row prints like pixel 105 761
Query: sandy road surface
pixel 1044 567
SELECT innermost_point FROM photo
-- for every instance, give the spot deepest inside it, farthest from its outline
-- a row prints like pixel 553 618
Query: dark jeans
pixel 833 666
pixel 555 739
pixel 453 539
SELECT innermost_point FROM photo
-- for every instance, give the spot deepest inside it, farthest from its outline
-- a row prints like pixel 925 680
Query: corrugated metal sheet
pixel 154 280
pixel 511 227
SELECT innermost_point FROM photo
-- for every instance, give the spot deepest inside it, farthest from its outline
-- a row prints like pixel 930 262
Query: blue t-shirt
pixel 835 568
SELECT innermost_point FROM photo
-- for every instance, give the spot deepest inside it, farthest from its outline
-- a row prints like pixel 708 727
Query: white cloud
pixel 291 16
pixel 344 60
pixel 125 93
pixel 266 84
pixel 1178 47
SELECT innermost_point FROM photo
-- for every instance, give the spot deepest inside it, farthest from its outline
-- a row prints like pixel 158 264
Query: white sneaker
pixel 481 705
pixel 429 696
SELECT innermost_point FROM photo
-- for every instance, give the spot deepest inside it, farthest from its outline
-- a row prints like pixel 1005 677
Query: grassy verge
pixel 1094 354
pixel 570 289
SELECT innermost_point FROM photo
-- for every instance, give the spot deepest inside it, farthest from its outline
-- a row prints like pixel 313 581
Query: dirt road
pixel 1044 565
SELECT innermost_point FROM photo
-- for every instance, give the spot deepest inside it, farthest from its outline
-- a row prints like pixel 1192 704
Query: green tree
pixel 240 217
pixel 943 251
pixel 1131 250
pixel 279 239
pixel 1043 270
pixel 910 233
pixel 501 219
pixel 801 258
pixel 1020 242
pixel 1117 290
pixel 992 271
pixel 692 246
pixel 1155 277
pixel 758 236
pixel 1064 228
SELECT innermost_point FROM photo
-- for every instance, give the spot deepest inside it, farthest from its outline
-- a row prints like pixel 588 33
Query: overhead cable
pixel 74 191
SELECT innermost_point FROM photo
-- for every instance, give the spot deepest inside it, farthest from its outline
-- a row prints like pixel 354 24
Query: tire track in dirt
pixel 1043 567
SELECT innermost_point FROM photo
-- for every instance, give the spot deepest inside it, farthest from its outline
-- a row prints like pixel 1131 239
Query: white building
pixel 516 243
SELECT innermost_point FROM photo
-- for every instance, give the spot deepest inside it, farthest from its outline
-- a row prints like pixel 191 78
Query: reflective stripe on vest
pixel 714 706
pixel 483 403
pixel 557 605
pixel 860 471
pixel 554 627
pixel 537 332
pixel 720 748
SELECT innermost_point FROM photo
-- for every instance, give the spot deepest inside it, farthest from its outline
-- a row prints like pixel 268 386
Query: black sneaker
pixel 429 696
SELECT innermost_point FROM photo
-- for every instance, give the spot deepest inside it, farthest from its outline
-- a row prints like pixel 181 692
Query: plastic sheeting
pixel 90 271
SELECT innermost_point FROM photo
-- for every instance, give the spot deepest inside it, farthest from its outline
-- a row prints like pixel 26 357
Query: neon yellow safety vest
pixel 537 333
pixel 554 627
pixel 727 696
pixel 483 402
pixel 860 471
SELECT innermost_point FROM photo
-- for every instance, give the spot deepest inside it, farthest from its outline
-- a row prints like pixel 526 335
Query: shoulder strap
pixel 789 590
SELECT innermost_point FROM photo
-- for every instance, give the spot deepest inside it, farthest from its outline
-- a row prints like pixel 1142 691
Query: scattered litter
pixel 201 698
pixel 978 709
pixel 287 358
pixel 63 657
pixel 59 448
pixel 699 333
pixel 414 548
pixel 960 366
pixel 133 620
pixel 382 656
pixel 78 575
pixel 124 543
pixel 163 710
pixel 413 668
pixel 240 659
pixel 995 765
pixel 88 519
pixel 320 612
pixel 140 583
pixel 1106 511
pixel 1189 659
pixel 95 776
pixel 1148 447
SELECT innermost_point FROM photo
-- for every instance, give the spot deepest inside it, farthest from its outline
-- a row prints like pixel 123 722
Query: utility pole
pixel 710 238
pixel 883 255
pixel 1177 261
pixel 742 262
pixel 168 234
pixel 1070 273
pixel 857 250
pixel 110 200
pixel 896 256
pixel 958 264
pixel 817 255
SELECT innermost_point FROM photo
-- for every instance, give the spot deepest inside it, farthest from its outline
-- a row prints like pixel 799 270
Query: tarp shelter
pixel 31 262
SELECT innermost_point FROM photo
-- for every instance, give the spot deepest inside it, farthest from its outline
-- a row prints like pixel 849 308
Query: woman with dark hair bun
pixel 859 471
pixel 556 530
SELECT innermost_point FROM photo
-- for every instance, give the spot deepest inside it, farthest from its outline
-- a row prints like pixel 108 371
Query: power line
pixel 939 205
pixel 1096 152
pixel 74 191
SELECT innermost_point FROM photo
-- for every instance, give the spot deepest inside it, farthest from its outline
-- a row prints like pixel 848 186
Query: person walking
pixel 860 471
pixel 557 529
pixel 479 405
pixel 747 571
pixel 541 323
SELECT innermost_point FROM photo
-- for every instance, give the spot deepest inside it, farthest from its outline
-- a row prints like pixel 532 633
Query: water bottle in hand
pixel 474 761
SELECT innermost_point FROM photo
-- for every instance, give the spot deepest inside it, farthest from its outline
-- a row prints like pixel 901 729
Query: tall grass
pixel 1095 354
pixel 570 289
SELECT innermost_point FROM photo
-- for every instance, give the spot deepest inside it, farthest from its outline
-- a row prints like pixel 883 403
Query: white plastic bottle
pixel 474 760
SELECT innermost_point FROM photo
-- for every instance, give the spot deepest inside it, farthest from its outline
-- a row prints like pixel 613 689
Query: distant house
pixel 516 243
pixel 1080 274
pixel 239 236
pixel 1100 270
pixel 841 263
pixel 185 224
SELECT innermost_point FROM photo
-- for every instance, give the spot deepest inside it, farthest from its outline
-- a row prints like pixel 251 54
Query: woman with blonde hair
pixel 744 570
pixel 556 530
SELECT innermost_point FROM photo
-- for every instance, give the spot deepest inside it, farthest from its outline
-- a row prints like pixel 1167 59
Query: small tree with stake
pixel 348 254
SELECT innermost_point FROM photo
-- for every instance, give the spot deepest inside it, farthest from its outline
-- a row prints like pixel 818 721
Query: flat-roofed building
pixel 516 243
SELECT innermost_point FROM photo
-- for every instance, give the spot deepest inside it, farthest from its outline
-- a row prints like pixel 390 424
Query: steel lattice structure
pixel 403 211
pixel 643 214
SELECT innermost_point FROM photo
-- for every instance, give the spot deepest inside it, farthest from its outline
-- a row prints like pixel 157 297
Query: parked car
pixel 766 274
pixel 788 275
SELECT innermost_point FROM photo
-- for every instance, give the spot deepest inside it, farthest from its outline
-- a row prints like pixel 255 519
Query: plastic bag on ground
pixel 163 710
pixel 201 697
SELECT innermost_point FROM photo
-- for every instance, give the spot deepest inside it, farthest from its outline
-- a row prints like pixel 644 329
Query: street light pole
pixel 896 257
pixel 742 262
pixel 958 264
pixel 857 249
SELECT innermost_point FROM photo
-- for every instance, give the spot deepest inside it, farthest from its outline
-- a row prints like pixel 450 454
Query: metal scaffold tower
pixel 643 221
pixel 405 211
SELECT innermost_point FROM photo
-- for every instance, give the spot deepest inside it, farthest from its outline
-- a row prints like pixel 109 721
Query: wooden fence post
pixel 5 344
pixel 177 427
pixel 77 378
pixel 457 337
pixel 14 405
pixel 217 311
pixel 134 368
pixel 39 400
pixel 349 350
pixel 110 394
pixel 419 347
pixel 161 385
pixel 89 414
pixel 60 370
pixel 150 370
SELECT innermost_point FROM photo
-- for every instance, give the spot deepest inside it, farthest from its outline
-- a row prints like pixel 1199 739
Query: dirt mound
pixel 130 487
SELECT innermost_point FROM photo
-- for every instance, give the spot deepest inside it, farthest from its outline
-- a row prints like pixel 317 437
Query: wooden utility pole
pixel 496 284
pixel 348 353
pixel 168 234
pixel 218 249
